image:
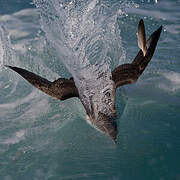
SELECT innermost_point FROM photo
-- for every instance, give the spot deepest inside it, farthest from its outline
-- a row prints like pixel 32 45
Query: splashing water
pixel 1 48
pixel 85 34
pixel 8 55
pixel 41 138
pixel 5 52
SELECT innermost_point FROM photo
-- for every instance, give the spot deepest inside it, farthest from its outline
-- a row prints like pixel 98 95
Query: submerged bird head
pixel 101 113
pixel 105 124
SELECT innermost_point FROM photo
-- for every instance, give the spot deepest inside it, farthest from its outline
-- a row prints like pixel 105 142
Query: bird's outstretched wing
pixel 142 37
pixel 61 88
pixel 129 73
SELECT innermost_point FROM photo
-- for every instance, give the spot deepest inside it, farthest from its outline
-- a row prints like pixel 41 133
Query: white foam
pixel 19 33
pixel 155 13
pixel 2 53
pixel 16 138
pixel 173 83
pixel 173 28
pixel 174 77
pixel 37 107
pixel 26 12
pixel 14 104
pixel 19 25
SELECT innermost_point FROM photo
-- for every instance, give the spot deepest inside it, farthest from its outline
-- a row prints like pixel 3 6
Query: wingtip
pixel 141 24
pixel 141 21
pixel 160 28
pixel 142 36
pixel 7 66
pixel 11 67
pixel 157 33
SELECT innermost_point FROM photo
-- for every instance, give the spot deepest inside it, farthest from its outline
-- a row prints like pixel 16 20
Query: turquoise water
pixel 45 139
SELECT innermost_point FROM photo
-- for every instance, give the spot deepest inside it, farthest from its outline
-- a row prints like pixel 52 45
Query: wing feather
pixel 142 37
pixel 61 89
pixel 129 73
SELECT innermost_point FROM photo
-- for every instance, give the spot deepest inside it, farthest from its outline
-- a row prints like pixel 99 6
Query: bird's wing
pixel 129 73
pixel 61 88
pixel 142 37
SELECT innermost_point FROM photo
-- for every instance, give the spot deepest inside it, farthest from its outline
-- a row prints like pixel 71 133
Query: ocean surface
pixel 42 138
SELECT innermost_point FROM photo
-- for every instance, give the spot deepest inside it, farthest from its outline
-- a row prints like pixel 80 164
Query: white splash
pixel 2 46
pixel 173 77
pixel 173 83
pixel 85 34
pixel 16 138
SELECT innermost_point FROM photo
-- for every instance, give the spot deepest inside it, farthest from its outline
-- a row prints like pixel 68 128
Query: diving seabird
pixel 63 89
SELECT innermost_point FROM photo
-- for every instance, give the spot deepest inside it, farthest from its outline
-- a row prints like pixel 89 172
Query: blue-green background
pixel 43 139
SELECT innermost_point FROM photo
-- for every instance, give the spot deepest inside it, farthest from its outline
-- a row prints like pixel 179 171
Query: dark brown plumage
pixel 63 89
pixel 129 73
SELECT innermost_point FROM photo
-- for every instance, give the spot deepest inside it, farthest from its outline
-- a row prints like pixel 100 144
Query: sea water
pixel 42 138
